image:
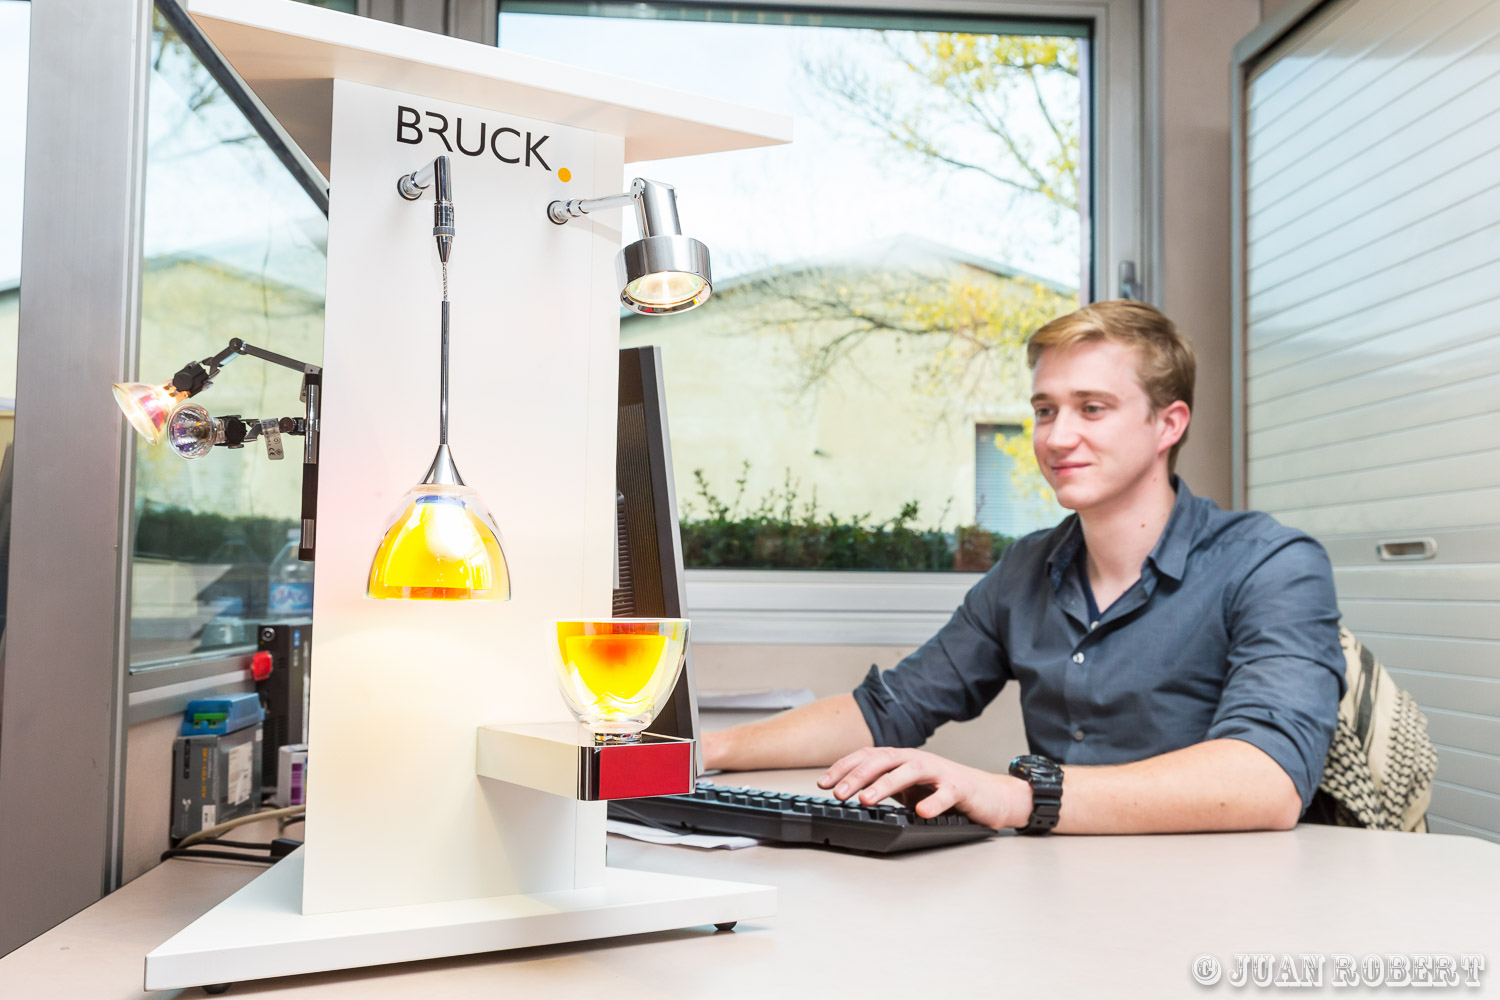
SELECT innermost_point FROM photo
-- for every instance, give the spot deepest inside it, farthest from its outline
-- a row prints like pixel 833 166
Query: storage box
pixel 214 778
pixel 291 776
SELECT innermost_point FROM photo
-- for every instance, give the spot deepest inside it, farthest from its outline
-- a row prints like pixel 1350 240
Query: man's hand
pixel 934 783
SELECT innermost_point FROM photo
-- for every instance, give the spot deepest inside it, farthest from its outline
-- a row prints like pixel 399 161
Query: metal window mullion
pixel 281 144
pixel 62 736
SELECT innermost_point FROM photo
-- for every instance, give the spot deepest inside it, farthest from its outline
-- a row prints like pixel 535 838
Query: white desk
pixel 1013 916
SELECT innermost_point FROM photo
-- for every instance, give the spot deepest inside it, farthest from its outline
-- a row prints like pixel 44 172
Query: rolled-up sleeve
pixel 953 676
pixel 1286 670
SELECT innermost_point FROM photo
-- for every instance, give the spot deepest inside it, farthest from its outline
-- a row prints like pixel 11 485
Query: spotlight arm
pixel 655 207
pixel 561 211
pixel 238 346
pixel 195 376
pixel 237 429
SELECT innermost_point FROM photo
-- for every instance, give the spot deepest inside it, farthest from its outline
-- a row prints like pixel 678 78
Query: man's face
pixel 1096 438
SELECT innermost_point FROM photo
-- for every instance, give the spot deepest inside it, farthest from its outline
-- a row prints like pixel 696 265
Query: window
pixel 1010 499
pixel 15 36
pixel 234 247
pixel 874 279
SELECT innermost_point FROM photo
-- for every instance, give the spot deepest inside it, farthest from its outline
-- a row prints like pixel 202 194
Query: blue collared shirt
pixel 1230 632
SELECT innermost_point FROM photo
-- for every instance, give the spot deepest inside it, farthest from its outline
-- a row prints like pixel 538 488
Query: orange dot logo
pixel 564 174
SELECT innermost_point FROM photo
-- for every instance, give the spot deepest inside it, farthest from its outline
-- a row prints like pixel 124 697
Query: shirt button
pixel 1093 625
pixel 1077 657
pixel 1078 735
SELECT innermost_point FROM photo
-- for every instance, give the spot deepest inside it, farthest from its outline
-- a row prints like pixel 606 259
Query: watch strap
pixel 1045 778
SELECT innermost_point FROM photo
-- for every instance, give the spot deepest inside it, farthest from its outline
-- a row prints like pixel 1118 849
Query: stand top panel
pixel 288 53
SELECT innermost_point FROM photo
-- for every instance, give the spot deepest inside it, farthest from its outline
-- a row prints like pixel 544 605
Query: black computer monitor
pixel 650 583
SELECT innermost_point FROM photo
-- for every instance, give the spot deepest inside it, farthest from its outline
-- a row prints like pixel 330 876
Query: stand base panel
pixel 261 932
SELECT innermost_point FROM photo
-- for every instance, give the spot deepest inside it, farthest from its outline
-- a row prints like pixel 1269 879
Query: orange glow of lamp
pixel 441 543
pixel 147 407
pixel 616 674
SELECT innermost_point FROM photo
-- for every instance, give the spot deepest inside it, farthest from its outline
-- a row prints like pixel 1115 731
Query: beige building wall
pixel 884 427
pixel 191 310
pixel 10 305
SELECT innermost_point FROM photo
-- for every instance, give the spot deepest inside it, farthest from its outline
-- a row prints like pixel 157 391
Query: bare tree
pixel 1012 92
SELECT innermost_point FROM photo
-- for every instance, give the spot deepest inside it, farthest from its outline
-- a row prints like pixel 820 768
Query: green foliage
pixel 780 533
pixel 165 532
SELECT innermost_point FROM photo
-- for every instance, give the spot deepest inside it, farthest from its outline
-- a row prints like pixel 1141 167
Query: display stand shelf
pixel 565 759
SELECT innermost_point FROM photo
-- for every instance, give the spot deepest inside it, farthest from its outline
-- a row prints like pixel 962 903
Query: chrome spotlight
pixel 191 432
pixel 664 271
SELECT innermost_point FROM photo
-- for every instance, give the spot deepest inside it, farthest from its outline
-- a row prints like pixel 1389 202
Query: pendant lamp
pixel 441 543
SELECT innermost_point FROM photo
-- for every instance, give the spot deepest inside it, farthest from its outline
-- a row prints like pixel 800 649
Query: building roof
pixel 902 252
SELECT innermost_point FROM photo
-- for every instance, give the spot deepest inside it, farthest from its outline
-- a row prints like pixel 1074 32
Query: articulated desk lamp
pixel 155 410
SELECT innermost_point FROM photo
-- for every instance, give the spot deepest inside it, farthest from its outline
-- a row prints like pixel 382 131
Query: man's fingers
pixel 909 773
pixel 843 766
pixel 938 802
pixel 913 794
pixel 867 768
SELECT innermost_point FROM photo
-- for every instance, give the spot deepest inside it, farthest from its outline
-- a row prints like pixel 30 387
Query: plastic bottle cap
pixel 260 665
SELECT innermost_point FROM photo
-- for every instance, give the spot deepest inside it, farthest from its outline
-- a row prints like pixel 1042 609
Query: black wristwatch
pixel 1045 778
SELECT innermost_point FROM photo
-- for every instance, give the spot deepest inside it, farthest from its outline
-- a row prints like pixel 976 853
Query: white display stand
pixel 410 854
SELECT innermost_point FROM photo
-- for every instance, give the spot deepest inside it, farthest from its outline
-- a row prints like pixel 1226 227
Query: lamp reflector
pixel 191 431
pixel 665 290
pixel 147 407
pixel 659 275
pixel 441 545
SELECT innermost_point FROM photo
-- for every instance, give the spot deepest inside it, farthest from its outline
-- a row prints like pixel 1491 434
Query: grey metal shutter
pixel 1372 347
pixel 1001 507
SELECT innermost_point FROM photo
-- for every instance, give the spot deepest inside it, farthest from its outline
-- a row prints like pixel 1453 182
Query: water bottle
pixel 291 583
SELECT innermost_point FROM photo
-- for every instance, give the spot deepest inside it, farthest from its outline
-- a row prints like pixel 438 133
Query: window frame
pixel 823 607
pixel 158 688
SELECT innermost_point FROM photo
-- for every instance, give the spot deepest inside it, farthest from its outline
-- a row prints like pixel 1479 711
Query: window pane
pixel 233 248
pixel 15 44
pixel 1010 498
pixel 874 279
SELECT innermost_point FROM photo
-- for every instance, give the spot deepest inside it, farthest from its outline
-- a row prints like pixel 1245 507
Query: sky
pixel 846 187
pixel 839 186
pixel 256 203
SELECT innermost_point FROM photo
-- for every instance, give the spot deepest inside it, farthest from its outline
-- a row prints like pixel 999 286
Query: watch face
pixel 1027 764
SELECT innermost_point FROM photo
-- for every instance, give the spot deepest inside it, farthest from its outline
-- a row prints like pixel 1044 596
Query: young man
pixel 1179 664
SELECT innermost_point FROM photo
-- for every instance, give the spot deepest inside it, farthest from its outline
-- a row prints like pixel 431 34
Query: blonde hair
pixel 1165 363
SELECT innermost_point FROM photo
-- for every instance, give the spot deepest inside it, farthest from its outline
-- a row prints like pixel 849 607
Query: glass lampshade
pixel 441 545
pixel 616 674
pixel 147 407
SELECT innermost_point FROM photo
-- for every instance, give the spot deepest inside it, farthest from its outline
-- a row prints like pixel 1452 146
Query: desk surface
pixel 1018 916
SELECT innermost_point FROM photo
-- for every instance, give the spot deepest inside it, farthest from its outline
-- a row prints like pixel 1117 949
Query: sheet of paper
pixel 651 835
pixel 240 765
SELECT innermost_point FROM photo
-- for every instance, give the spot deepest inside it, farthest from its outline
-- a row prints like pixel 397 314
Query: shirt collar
pixel 1169 555
pixel 1064 550
pixel 1171 550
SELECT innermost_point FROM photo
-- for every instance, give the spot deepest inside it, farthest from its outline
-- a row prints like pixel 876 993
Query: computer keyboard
pixel 798 819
